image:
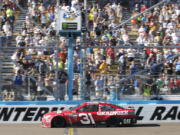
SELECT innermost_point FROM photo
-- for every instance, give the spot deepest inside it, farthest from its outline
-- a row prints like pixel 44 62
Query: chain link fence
pixel 34 73
pixel 40 80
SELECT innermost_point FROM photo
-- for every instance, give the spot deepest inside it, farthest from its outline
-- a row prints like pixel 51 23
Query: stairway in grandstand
pixel 7 65
pixel 132 33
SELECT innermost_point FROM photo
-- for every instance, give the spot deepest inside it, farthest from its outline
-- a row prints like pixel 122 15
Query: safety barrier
pixel 31 112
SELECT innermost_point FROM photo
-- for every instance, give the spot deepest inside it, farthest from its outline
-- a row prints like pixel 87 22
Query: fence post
pixel 29 89
pixel 1 55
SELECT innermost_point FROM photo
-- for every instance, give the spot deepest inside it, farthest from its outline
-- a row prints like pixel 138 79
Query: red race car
pixel 90 113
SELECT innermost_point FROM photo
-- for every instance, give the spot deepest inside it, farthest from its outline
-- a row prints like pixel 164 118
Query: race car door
pixel 105 111
pixel 87 115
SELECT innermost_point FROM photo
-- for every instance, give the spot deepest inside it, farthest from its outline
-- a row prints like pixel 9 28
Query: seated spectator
pixel 177 66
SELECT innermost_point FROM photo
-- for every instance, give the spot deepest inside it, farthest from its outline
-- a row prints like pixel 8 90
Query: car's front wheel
pixel 58 122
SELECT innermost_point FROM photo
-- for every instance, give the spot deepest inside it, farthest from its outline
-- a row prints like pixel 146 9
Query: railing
pixel 145 11
pixel 137 87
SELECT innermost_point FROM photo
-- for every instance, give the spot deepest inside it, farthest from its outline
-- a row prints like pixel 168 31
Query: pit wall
pixel 31 112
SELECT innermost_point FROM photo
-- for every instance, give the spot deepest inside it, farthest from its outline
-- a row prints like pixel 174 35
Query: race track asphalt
pixel 139 129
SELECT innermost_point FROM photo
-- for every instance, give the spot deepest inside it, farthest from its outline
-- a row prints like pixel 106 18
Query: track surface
pixel 140 129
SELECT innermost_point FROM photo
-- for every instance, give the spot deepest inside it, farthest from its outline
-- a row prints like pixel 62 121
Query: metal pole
pixel 81 87
pixel 57 3
pixel 85 9
pixel 1 57
pixel 97 45
pixel 82 74
pixel 56 71
pixel 70 67
pixel 82 56
pixel 29 89
pixel 85 5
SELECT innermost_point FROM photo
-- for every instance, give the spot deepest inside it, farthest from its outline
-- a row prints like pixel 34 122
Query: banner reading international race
pixel 30 112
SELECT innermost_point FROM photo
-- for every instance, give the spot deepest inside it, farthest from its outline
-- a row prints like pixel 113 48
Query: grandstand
pixel 129 51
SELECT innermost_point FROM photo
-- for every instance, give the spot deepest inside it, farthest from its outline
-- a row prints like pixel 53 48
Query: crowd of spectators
pixel 7 18
pixel 43 62
pixel 156 28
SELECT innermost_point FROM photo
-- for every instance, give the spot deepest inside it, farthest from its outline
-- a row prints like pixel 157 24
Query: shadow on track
pixel 142 125
pixel 122 126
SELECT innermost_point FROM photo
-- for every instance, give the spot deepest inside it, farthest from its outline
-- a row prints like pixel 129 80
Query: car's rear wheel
pixel 58 122
pixel 113 121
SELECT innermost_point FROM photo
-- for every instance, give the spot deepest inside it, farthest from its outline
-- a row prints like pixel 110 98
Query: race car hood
pixel 57 113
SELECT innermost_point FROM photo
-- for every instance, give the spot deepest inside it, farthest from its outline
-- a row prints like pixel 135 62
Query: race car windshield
pixel 120 106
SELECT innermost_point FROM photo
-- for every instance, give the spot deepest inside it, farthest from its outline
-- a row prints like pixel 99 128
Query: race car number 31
pixel 86 118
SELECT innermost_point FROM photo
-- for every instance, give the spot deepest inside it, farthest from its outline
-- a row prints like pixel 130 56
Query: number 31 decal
pixel 86 118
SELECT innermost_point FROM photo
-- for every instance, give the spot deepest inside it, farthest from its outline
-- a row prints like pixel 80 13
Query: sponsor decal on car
pixel 113 113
